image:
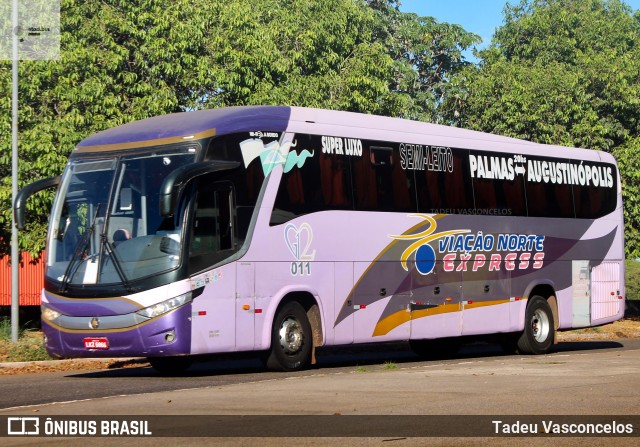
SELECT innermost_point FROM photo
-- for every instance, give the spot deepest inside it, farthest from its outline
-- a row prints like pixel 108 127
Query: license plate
pixel 96 343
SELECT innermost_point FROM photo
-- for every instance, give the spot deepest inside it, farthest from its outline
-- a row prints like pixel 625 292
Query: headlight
pixel 49 314
pixel 165 306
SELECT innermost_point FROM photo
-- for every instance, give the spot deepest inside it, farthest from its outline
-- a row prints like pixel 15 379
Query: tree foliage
pixel 562 72
pixel 629 164
pixel 426 56
pixel 571 66
pixel 125 60
pixel 120 61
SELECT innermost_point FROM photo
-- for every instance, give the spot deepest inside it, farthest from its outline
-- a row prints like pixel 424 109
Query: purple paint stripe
pixel 224 120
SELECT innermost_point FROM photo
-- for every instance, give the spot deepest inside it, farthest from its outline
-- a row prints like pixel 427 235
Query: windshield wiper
pixel 104 241
pixel 78 250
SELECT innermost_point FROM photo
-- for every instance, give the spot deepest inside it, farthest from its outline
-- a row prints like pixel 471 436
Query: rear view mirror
pixel 19 207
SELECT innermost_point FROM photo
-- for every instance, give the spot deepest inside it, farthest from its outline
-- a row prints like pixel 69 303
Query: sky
pixel 481 17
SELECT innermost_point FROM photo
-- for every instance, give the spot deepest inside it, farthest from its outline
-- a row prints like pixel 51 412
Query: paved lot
pixel 565 383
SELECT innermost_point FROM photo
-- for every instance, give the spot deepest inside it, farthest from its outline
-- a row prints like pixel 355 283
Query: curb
pixel 17 365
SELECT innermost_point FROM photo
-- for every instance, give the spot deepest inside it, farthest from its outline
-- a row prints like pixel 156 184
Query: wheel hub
pixel 291 335
pixel 540 325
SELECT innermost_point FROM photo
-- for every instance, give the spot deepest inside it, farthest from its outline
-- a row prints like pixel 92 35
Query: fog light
pixel 45 339
pixel 170 337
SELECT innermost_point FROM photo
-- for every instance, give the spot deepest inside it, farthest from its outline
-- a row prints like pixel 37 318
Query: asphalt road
pixel 580 378
pixel 44 388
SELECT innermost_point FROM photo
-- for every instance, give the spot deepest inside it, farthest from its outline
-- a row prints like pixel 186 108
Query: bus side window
pixel 403 185
pixel 380 183
pixel 212 235
pixel 500 197
pixel 203 232
pixel 549 199
pixel 592 201
pixel 334 182
pixel 484 193
pixel 447 189
pixel 322 182
pixel 365 183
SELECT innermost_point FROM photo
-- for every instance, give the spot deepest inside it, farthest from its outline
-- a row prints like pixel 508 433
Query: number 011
pixel 300 268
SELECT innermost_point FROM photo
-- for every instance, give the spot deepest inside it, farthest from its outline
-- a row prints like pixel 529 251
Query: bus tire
pixel 539 328
pixel 171 366
pixel 439 348
pixel 291 339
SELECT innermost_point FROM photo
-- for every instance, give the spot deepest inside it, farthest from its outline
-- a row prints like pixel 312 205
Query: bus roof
pixel 374 127
pixel 186 126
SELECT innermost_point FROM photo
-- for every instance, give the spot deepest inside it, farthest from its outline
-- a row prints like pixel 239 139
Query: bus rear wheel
pixel 539 328
pixel 291 339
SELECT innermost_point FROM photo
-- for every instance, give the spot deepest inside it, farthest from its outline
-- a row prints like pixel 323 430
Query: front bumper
pixel 147 339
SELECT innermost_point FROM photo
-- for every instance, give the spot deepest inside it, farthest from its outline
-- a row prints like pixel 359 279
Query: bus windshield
pixel 106 227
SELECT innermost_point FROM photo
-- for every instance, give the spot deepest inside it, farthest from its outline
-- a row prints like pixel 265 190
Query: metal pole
pixel 15 252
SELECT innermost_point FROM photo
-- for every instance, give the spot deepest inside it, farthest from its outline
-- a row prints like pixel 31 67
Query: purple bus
pixel 283 229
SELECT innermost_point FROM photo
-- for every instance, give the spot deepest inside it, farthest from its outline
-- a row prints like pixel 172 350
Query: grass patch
pixel 29 347
pixel 361 369
pixel 390 365
pixel 628 327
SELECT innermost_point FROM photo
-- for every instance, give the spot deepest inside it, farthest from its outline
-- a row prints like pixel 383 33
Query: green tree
pixel 629 165
pixel 296 52
pixel 426 56
pixel 561 72
pixel 120 61
pixel 125 60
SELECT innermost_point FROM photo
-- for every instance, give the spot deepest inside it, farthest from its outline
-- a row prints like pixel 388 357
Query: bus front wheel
pixel 539 327
pixel 291 339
